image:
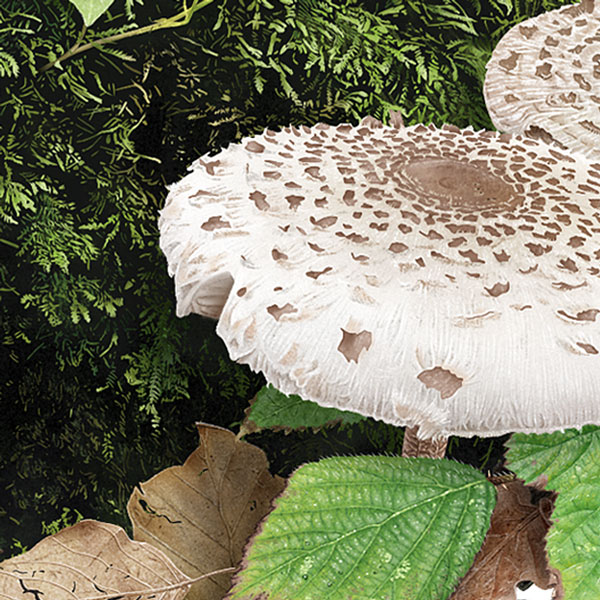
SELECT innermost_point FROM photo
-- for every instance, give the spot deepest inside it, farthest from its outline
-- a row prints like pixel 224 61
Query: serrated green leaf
pixel 91 9
pixel 571 461
pixel 272 408
pixel 369 527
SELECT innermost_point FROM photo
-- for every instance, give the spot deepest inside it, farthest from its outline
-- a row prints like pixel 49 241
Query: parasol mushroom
pixel 443 279
pixel 544 78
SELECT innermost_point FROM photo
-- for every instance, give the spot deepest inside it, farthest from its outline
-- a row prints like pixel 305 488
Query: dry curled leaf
pixel 88 560
pixel 514 549
pixel 200 514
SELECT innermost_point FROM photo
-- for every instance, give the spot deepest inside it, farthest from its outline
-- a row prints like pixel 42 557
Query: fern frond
pixel 9 67
pixel 120 54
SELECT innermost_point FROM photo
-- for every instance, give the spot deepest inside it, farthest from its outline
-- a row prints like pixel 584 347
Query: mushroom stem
pixel 415 447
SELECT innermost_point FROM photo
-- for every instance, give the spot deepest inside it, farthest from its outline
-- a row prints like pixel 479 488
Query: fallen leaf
pixel 201 514
pixel 88 560
pixel 514 549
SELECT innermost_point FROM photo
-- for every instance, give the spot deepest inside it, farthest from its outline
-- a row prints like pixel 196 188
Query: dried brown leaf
pixel 88 560
pixel 201 514
pixel 514 549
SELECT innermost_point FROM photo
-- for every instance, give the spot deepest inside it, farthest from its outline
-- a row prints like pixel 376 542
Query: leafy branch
pixel 179 20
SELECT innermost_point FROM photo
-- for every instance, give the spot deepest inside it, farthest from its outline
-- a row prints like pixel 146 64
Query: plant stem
pixel 70 52
pixel 415 447
pixel 182 18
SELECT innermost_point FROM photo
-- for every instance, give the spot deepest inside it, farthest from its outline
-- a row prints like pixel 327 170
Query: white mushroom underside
pixel 442 278
pixel 544 78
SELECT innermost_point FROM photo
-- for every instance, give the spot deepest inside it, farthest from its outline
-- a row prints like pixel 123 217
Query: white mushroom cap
pixel 544 78
pixel 443 278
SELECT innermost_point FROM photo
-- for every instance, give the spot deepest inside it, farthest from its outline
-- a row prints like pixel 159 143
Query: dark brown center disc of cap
pixel 461 185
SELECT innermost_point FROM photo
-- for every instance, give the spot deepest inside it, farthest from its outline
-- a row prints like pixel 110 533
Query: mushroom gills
pixel 210 297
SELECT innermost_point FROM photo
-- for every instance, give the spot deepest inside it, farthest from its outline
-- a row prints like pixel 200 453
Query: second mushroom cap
pixel 543 79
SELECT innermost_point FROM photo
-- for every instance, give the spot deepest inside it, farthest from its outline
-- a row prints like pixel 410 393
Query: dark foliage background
pixel 100 383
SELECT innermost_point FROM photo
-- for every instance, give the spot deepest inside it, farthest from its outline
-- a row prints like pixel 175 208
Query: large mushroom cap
pixel 443 278
pixel 544 78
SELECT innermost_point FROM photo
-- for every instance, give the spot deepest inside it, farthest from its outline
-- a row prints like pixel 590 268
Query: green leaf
pixel 272 408
pixel 571 461
pixel 91 9
pixel 369 527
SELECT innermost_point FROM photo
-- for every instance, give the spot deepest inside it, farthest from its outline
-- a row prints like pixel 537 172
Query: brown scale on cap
pixel 544 78
pixel 278 255
pixel 316 274
pixel 498 289
pixel 353 344
pixel 259 200
pixel 215 223
pixel 587 347
pixel 277 311
pixel 455 258
pixel 442 380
